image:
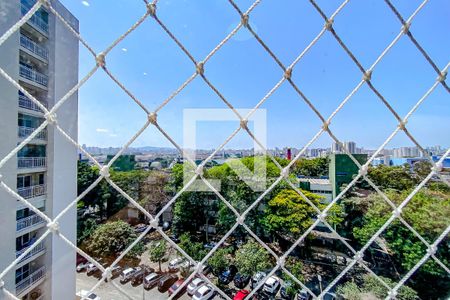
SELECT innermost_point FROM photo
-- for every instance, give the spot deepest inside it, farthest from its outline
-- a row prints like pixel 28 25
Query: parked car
pixel 128 273
pixel 241 280
pixel 187 264
pixel 82 266
pixel 210 245
pixel 303 295
pixel 174 264
pixel 83 294
pixel 195 284
pixel 205 292
pixel 92 269
pixel 166 282
pixel 151 280
pixel 227 276
pixel 175 287
pixel 272 285
pixel 138 277
pixel 241 295
pixel 116 271
pixel 81 259
pixel 256 279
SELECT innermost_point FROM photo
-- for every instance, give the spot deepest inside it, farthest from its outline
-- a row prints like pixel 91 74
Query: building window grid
pixel 151 12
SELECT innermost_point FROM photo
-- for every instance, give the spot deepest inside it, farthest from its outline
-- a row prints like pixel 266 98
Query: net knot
pixel 288 73
pixel 367 75
pixel 151 9
pixel 104 171
pixel 51 117
pixel 153 118
pixel 442 76
pixel 200 68
pixel 244 20
pixel 100 60
pixel 363 170
pixel 405 27
pixel 329 24
pixel 53 227
pixel 402 125
pixel 244 124
pixel 240 220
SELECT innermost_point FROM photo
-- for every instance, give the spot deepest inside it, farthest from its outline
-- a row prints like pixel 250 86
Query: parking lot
pixel 108 292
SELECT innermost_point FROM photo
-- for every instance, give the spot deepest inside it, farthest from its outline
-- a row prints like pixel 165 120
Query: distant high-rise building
pixel 351 147
pixel 42 56
pixel 336 148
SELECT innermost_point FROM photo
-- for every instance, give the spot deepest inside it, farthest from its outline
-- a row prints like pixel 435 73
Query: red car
pixel 241 295
pixel 175 287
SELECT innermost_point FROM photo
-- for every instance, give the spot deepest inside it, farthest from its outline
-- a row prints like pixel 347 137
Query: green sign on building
pixel 342 170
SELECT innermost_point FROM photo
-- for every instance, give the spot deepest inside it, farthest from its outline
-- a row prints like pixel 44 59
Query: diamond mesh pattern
pixel 150 9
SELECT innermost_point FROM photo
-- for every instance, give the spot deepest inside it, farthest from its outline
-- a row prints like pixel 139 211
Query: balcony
pixel 31 162
pixel 28 222
pixel 36 250
pixel 24 132
pixel 37 22
pixel 33 47
pixel 32 191
pixel 36 277
pixel 26 103
pixel 33 76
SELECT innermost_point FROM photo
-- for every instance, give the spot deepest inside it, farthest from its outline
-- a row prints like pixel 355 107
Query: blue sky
pixel 150 64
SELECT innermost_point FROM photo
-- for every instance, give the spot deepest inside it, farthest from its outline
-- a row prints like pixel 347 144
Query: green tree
pixel 370 287
pixel 397 177
pixel 315 167
pixel 295 266
pixel 85 228
pixel 157 252
pixel 112 238
pixel 288 214
pixel 251 258
pixel 193 249
pixel 427 212
pixel 220 260
pixel 421 169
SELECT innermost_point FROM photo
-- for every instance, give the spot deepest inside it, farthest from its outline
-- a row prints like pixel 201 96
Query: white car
pixel 83 294
pixel 127 274
pixel 82 266
pixel 195 285
pixel 205 292
pixel 174 264
pixel 91 268
pixel 272 285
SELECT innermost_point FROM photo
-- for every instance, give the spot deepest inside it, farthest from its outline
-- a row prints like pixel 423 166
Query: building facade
pixel 342 170
pixel 42 56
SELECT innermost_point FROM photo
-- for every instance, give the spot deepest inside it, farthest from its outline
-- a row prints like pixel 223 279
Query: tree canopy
pixel 251 257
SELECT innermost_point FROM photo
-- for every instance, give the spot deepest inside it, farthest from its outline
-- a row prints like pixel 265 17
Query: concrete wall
pixel 9 58
pixel 63 165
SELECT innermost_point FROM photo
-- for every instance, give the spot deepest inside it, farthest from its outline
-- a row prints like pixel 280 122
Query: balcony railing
pixel 31 162
pixel 32 191
pixel 33 75
pixel 27 222
pixel 33 47
pixel 30 280
pixel 24 132
pixel 36 250
pixel 35 20
pixel 25 102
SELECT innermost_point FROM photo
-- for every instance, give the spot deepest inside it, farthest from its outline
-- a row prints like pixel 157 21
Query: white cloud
pixel 145 73
pixel 124 49
pixel 113 135
pixel 85 3
pixel 101 130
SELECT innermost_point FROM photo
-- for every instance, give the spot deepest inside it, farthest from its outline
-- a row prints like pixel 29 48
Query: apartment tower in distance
pixel 43 57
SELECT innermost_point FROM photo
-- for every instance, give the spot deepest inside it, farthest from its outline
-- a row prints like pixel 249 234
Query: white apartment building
pixel 43 57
